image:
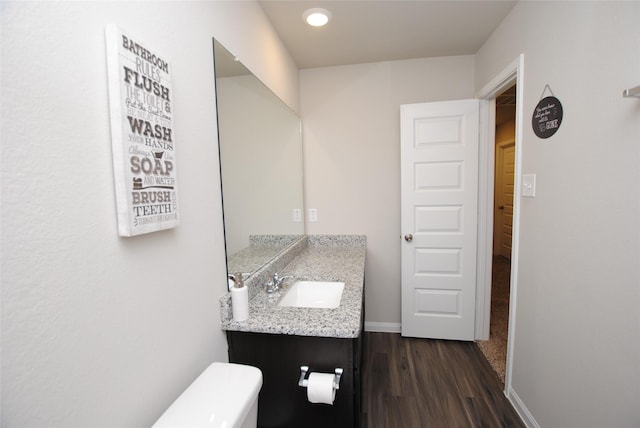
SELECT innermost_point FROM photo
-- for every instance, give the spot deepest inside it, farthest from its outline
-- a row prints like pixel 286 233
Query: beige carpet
pixel 495 349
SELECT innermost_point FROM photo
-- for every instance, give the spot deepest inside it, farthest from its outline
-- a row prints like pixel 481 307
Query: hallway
pixel 495 349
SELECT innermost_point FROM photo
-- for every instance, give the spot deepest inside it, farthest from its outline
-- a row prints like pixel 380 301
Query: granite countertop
pixel 318 258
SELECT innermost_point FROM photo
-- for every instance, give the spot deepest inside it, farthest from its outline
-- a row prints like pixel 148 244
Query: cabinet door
pixel 282 403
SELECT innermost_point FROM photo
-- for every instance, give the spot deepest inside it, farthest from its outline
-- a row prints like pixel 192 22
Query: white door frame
pixel 513 73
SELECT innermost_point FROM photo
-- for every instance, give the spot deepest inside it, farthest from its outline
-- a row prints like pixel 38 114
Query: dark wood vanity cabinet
pixel 282 403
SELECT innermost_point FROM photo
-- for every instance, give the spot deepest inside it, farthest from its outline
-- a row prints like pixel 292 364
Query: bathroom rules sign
pixel 142 138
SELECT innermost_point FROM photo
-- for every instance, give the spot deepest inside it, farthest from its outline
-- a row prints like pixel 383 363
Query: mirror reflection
pixel 261 166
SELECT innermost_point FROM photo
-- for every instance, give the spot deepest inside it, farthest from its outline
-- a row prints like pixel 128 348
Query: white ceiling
pixel 370 31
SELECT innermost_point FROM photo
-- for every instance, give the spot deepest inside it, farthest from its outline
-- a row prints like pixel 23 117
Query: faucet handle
pixel 270 286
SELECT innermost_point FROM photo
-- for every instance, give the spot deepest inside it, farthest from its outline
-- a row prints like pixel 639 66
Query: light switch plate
pixel 297 215
pixel 529 185
pixel 313 215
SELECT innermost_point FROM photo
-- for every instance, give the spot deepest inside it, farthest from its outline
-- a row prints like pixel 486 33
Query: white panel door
pixel 439 188
pixel 505 168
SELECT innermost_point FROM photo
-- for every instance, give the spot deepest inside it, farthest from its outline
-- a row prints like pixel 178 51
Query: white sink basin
pixel 313 294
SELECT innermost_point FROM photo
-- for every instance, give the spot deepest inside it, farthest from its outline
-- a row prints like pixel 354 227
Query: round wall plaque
pixel 547 117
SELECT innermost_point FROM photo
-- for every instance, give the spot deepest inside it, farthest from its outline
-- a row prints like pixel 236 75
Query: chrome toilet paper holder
pixel 305 382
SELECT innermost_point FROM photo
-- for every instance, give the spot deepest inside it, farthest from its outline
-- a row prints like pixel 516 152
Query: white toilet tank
pixel 225 395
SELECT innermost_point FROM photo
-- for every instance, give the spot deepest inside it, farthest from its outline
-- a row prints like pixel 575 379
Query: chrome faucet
pixel 275 283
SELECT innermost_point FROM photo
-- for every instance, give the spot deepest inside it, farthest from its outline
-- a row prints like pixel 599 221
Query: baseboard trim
pixel 521 409
pixel 383 327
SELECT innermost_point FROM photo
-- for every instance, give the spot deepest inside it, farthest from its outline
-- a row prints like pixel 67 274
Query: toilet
pixel 225 395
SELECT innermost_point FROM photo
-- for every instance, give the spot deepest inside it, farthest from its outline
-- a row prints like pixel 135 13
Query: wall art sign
pixel 547 116
pixel 142 138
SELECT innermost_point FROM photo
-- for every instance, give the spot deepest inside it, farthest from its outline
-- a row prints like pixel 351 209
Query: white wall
pixel 99 330
pixel 351 138
pixel 577 338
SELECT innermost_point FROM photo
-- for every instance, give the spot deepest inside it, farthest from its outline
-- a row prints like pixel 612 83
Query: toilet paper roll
pixel 320 388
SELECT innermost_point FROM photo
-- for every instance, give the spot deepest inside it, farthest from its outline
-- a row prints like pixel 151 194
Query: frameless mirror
pixel 261 166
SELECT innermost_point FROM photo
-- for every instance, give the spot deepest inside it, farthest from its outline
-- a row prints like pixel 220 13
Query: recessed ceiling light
pixel 316 17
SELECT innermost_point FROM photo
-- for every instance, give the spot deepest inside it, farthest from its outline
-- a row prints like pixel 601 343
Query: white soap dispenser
pixel 239 299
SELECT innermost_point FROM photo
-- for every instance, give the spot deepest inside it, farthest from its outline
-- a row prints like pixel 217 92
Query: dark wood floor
pixel 430 383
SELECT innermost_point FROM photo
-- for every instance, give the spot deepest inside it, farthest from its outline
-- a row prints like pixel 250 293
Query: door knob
pixel 408 237
pixel 501 207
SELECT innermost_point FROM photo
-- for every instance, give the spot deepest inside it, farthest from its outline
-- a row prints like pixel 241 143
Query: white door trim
pixel 513 73
pixel 486 167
